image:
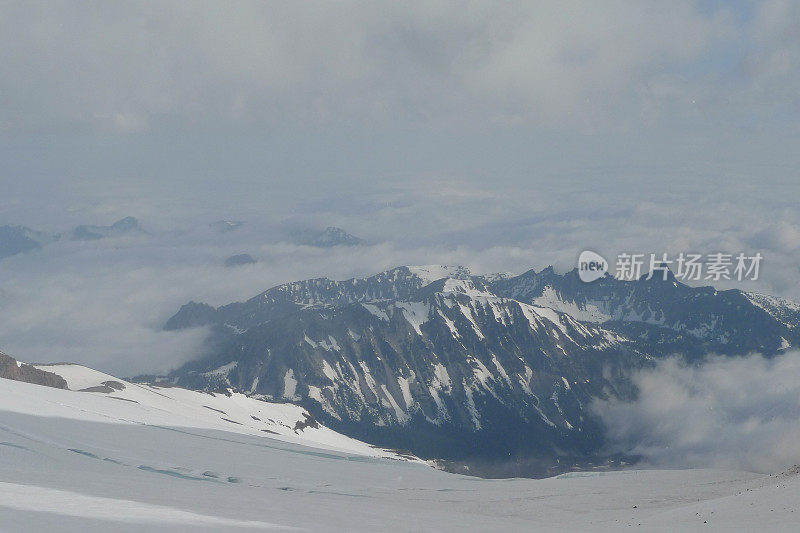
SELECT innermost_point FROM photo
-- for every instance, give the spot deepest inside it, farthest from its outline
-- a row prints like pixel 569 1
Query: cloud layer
pixel 138 66
pixel 103 302
pixel 735 413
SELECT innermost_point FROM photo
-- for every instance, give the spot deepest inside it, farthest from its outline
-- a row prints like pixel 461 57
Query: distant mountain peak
pixel 121 227
pixel 19 239
pixel 327 238
pixel 431 273
pixel 239 259
pixel 126 224
pixel 661 272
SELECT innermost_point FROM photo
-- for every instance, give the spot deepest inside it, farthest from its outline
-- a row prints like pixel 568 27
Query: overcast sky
pixel 277 95
pixel 503 136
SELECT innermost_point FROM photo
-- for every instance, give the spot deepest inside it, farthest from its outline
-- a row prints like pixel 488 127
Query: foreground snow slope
pixel 91 461
pixel 109 399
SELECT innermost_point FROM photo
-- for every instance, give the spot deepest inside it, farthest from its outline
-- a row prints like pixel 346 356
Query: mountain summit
pixel 327 238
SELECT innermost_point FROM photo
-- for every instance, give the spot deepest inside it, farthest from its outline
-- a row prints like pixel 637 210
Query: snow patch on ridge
pixel 289 384
pixel 405 389
pixel 401 415
pixel 377 311
pixel 441 380
pixel 467 312
pixel 430 273
pixel 464 286
pixel 415 313
pixel 222 371
pixel 591 311
pixel 450 324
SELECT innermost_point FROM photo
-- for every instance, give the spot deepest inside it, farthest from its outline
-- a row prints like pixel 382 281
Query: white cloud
pixel 103 302
pixel 736 413
pixel 556 63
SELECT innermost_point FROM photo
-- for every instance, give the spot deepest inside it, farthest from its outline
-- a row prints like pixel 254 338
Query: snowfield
pixel 130 457
pixel 178 407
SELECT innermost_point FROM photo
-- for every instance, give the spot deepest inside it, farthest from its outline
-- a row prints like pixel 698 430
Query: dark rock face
pixel 446 364
pixel 11 369
pixel 191 315
pixel 106 387
pixel 238 260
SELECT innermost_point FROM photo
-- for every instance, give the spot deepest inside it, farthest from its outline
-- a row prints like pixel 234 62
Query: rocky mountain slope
pixel 664 315
pixel 459 366
pixel 15 370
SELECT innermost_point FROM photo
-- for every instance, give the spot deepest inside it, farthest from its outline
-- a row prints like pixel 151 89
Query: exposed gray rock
pixel 10 368
pixel 192 315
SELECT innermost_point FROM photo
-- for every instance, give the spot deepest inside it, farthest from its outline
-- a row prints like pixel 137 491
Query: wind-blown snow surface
pixel 133 403
pixel 93 461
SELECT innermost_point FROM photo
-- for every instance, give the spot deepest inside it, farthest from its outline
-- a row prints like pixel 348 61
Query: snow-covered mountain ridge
pixel 455 365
